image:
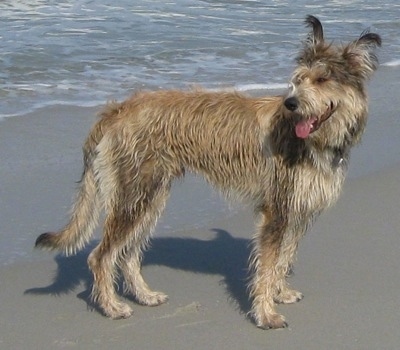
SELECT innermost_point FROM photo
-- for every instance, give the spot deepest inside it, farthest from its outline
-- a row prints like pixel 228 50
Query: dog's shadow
pixel 225 255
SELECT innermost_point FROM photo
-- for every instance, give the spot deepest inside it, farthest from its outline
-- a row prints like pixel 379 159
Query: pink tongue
pixel 303 128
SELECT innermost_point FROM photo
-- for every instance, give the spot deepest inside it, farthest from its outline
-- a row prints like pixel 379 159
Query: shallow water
pixel 86 52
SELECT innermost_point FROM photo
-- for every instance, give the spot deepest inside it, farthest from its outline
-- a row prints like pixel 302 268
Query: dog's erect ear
pixel 360 56
pixel 317 35
pixel 369 39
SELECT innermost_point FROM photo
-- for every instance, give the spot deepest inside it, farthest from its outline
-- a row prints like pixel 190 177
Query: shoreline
pixel 346 266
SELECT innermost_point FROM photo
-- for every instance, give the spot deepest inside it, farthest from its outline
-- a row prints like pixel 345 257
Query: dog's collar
pixel 337 161
pixel 339 155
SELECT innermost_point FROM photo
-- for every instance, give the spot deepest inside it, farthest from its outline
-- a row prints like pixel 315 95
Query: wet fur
pixel 245 147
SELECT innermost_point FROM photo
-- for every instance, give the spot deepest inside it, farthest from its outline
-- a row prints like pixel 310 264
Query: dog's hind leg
pixel 102 262
pixel 134 187
pixel 131 256
pixel 126 232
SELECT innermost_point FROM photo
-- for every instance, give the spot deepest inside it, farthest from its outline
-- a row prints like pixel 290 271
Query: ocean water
pixel 84 52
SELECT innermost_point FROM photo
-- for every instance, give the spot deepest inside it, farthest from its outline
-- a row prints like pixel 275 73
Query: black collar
pixel 340 156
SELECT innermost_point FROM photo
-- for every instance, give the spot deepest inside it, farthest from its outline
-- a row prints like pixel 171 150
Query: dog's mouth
pixel 305 127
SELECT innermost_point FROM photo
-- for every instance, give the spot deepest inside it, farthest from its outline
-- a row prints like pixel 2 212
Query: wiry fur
pixel 246 147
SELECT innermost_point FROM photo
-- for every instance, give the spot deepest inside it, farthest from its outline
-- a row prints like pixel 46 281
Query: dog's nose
pixel 291 103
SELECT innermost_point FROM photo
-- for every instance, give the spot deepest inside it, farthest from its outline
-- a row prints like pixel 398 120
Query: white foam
pixel 393 63
pixel 40 105
pixel 252 87
pixel 249 87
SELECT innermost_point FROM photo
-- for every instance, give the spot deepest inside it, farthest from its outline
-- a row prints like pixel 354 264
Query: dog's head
pixel 326 98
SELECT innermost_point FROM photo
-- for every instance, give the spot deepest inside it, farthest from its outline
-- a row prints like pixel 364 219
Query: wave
pixel 46 104
pixel 393 63
pixel 252 87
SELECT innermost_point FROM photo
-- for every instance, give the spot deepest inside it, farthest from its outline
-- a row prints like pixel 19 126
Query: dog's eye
pixel 321 80
pixel 297 81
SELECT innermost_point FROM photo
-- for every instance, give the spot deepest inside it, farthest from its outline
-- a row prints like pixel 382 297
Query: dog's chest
pixel 313 190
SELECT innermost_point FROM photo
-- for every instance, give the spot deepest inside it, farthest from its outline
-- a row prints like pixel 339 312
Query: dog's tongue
pixel 303 128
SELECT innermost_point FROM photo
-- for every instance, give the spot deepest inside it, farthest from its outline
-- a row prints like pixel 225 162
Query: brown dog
pixel 287 154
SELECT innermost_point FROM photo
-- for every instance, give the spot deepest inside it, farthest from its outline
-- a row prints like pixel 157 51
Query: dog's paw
pixel 272 321
pixel 288 296
pixel 152 299
pixel 118 311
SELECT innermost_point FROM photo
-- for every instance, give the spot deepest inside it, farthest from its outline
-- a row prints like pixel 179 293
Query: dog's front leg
pixel 288 249
pixel 267 275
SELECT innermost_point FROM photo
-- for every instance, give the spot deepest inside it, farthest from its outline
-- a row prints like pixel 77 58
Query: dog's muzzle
pixel 307 126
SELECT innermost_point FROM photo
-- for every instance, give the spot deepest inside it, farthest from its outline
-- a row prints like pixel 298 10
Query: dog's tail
pixel 85 212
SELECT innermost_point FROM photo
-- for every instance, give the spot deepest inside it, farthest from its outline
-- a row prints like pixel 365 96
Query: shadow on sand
pixel 224 255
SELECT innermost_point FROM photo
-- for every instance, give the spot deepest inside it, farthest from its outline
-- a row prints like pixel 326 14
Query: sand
pixel 346 266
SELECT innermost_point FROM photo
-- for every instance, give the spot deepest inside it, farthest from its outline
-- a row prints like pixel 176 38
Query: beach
pixel 346 265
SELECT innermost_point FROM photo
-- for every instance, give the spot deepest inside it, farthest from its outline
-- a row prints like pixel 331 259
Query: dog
pixel 287 154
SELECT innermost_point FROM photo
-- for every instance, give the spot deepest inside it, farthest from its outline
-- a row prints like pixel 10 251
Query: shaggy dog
pixel 287 154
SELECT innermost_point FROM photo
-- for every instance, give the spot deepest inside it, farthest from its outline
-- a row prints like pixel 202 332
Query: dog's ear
pixel 360 55
pixel 316 36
